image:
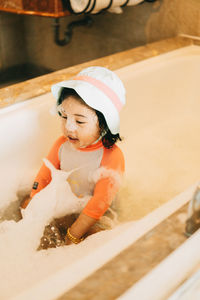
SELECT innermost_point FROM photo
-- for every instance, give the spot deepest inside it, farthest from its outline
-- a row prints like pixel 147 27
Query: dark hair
pixel 108 138
pixel 65 93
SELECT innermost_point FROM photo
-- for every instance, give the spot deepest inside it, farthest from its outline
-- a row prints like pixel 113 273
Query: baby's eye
pixel 64 117
pixel 79 122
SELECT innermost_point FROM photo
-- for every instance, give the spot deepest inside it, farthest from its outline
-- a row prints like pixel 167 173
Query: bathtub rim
pixel 189 51
pixel 168 282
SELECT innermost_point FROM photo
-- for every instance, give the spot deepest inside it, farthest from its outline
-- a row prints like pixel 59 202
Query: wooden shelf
pixel 45 8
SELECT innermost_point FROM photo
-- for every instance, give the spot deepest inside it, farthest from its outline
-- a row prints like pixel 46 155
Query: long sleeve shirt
pixel 98 172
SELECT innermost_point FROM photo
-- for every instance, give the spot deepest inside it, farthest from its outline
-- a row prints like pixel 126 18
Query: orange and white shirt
pixel 87 162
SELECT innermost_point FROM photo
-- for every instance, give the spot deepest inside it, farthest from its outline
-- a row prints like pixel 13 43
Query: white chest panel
pixel 86 161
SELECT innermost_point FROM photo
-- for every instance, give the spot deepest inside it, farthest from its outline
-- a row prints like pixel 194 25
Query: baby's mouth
pixel 72 139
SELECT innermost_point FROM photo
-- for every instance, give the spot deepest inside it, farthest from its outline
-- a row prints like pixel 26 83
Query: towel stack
pixel 95 6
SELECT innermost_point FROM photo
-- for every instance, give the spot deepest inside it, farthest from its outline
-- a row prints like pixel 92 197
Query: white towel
pixel 80 5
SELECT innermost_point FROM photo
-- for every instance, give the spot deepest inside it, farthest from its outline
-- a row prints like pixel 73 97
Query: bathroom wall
pixel 174 17
pixel 11 40
pixel 26 42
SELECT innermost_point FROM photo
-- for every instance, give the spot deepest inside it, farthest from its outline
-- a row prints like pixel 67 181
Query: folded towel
pixel 92 6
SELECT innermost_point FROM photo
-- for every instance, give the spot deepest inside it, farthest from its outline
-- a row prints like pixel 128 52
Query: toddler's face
pixel 79 122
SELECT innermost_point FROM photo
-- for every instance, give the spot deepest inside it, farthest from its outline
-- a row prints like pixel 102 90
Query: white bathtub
pixel 160 125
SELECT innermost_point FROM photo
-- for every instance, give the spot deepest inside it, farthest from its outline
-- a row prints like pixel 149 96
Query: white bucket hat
pixel 100 89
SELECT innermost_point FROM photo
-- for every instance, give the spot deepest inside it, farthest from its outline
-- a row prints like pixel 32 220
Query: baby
pixel 89 107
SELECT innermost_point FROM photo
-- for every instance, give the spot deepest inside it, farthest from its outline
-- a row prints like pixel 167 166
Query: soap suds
pixel 20 240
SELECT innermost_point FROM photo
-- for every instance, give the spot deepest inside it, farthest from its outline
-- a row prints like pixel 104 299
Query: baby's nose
pixel 70 125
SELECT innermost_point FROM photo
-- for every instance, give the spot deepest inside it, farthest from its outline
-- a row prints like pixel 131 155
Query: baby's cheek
pixel 63 126
pixel 87 135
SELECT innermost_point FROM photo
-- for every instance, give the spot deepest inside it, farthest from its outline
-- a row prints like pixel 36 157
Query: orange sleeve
pixel 43 177
pixel 107 186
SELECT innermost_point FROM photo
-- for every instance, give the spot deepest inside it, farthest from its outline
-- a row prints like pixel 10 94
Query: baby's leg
pixel 25 202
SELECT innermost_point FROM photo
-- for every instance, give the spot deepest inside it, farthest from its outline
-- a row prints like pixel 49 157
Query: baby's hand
pixel 71 239
pixel 67 241
pixel 25 202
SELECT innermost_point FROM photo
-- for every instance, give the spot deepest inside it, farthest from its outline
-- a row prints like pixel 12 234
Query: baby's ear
pixel 49 165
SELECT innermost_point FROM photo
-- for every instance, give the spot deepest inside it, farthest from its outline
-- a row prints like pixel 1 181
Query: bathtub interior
pixel 161 133
pixel 162 159
pixel 27 130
